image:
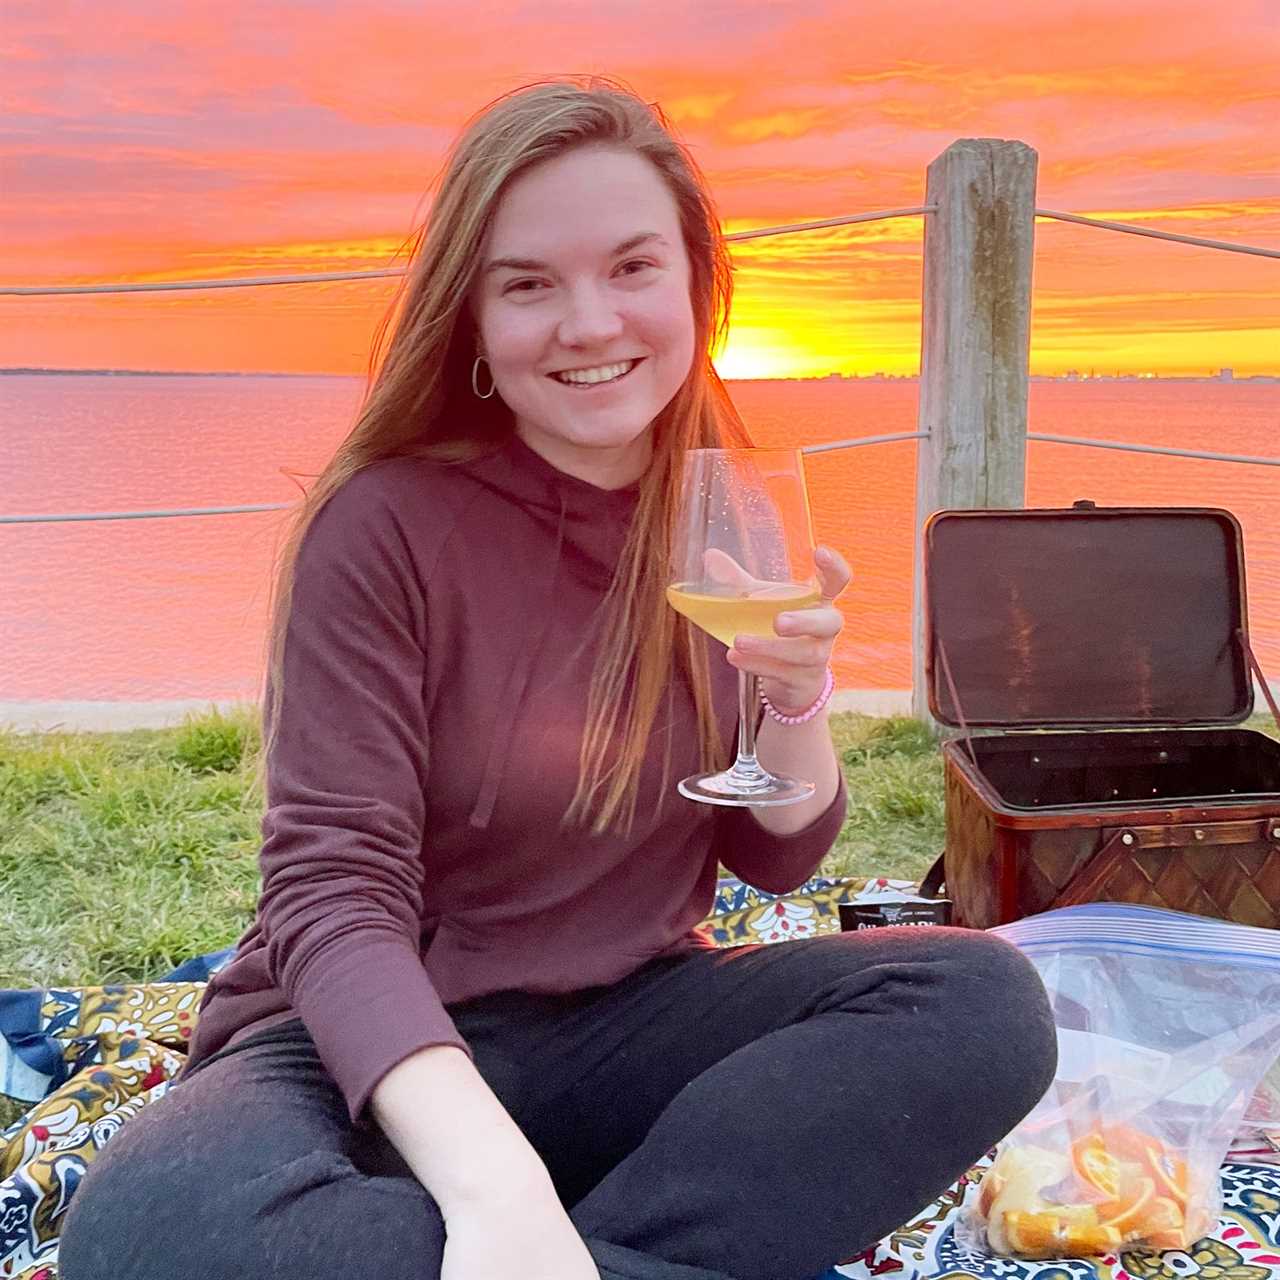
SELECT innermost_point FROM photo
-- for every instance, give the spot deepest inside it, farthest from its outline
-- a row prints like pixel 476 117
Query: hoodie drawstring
pixel 513 695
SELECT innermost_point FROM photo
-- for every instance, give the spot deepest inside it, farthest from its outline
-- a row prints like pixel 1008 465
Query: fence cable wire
pixel 1154 448
pixel 145 515
pixel 806 449
pixel 319 277
pixel 864 440
pixel 875 215
pixel 1130 229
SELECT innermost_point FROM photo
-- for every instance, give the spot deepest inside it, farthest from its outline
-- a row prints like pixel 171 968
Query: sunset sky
pixel 149 141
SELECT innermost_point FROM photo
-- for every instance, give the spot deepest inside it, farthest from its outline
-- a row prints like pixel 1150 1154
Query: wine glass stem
pixel 746 768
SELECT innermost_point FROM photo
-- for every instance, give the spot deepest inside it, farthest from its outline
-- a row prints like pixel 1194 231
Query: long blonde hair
pixel 419 402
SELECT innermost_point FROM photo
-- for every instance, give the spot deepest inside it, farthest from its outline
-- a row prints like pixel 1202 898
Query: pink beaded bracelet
pixel 823 698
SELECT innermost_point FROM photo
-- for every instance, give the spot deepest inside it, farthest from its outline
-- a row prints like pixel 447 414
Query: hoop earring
pixel 475 384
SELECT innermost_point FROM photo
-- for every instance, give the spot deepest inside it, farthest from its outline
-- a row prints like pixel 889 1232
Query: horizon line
pixel 1070 375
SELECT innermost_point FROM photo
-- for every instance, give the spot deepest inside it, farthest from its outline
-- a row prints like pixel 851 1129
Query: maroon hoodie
pixel 442 635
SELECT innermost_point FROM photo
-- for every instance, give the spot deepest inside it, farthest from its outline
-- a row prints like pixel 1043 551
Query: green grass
pixel 894 771
pixel 123 854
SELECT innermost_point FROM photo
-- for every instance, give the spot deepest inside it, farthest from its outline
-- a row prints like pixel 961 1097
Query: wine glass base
pixel 725 788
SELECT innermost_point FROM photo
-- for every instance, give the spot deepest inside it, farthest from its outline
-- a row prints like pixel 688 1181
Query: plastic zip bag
pixel 1166 1024
pixel 1258 1141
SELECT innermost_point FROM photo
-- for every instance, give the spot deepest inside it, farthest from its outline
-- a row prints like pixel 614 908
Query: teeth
pixel 604 373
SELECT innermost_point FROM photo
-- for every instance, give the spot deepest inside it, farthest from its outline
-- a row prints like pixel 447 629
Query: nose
pixel 590 319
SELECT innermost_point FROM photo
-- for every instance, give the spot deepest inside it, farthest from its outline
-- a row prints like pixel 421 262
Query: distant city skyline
pixel 1224 375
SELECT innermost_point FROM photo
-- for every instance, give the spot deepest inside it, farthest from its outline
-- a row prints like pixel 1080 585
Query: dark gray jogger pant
pixel 759 1113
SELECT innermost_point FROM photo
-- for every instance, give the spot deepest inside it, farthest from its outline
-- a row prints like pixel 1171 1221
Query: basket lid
pixel 1086 616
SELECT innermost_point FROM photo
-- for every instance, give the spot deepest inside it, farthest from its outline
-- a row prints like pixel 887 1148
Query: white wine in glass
pixel 742 554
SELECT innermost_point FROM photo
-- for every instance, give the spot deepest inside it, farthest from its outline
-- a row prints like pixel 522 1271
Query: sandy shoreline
pixel 116 717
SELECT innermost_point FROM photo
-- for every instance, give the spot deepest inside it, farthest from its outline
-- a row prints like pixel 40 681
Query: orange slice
pixel 1130 1212
pixel 1096 1165
pixel 1091 1240
pixel 1125 1142
pixel 1077 1215
pixel 1170 1172
pixel 1034 1235
pixel 1163 1225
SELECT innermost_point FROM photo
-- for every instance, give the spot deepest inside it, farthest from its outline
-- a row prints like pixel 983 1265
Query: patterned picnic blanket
pixel 91 1057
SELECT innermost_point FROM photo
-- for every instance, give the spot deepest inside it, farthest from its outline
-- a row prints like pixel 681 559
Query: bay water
pixel 167 609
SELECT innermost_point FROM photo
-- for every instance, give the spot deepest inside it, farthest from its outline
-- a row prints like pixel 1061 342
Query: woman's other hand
pixel 531 1237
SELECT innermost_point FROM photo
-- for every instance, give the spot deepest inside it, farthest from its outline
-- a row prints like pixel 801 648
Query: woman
pixel 474 1030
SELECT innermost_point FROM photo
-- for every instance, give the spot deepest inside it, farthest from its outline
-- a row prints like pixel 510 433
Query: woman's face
pixel 583 309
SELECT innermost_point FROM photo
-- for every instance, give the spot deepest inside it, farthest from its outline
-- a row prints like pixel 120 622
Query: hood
pixel 587 526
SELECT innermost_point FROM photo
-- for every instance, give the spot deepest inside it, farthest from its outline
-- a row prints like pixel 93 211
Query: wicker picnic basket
pixel 1094 660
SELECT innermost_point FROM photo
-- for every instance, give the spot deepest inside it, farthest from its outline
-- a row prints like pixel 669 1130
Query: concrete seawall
pixel 116 717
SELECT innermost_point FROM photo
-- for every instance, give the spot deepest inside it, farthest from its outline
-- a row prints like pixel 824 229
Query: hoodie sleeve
pixel 342 872
pixel 773 863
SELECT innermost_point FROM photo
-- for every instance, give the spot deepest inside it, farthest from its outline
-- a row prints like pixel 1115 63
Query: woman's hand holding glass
pixel 793 664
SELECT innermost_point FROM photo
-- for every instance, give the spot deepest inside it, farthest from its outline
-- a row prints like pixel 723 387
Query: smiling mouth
pixel 625 367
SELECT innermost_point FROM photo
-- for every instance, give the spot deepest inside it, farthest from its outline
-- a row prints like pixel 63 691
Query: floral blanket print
pixel 90 1058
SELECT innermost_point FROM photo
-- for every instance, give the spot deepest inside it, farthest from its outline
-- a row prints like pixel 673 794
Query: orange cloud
pixel 779 124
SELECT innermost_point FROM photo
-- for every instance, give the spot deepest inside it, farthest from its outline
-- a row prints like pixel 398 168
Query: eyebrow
pixel 532 264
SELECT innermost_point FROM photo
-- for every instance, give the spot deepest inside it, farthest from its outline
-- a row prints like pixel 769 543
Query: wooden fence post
pixel 975 333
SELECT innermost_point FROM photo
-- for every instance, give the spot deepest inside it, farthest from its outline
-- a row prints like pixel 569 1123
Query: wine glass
pixel 742 553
